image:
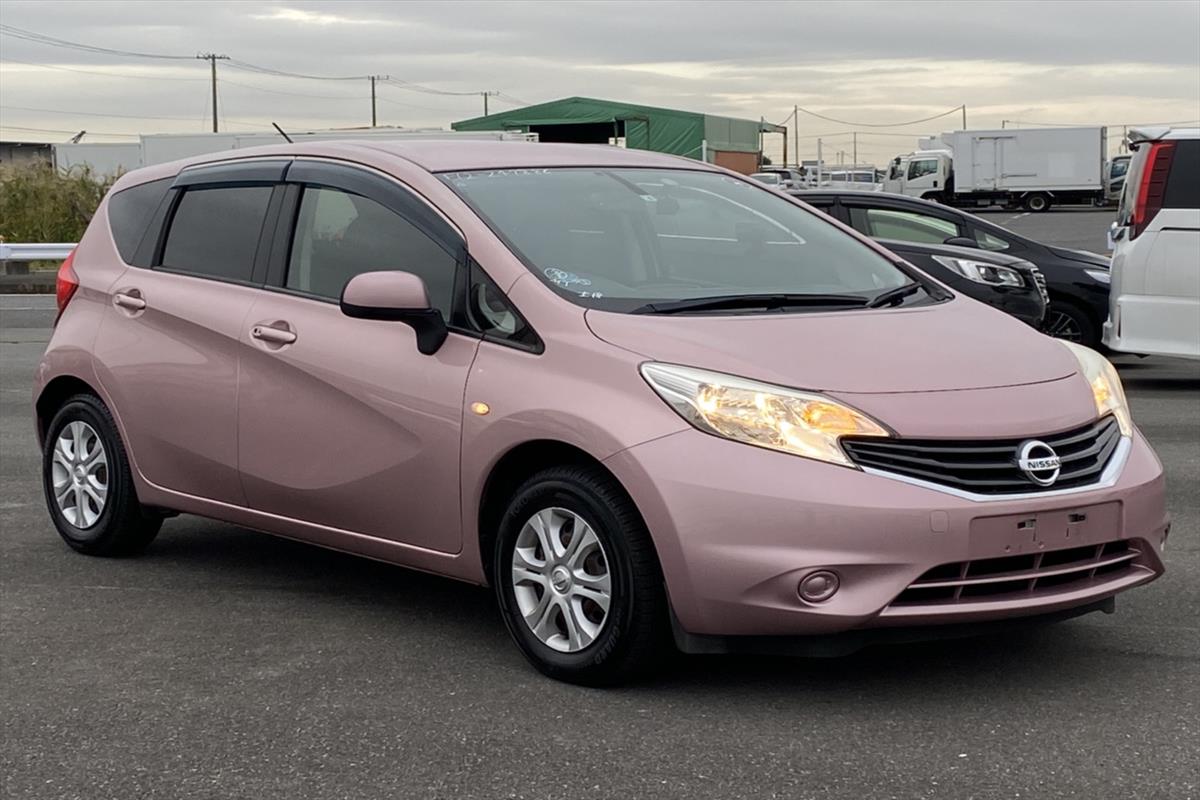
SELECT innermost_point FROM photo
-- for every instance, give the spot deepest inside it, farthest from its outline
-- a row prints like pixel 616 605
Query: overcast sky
pixel 863 62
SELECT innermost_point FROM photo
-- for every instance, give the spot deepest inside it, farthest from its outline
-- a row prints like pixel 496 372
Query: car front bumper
pixel 738 527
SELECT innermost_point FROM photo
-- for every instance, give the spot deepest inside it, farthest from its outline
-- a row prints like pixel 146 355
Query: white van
pixel 1154 304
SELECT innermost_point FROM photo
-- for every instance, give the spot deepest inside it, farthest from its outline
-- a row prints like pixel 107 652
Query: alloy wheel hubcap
pixel 560 579
pixel 1061 326
pixel 79 474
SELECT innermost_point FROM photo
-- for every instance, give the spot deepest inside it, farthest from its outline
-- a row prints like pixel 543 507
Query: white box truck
pixel 1031 167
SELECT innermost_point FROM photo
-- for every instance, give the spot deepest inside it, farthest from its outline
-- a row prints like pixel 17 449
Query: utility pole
pixel 373 79
pixel 964 110
pixel 212 59
pixel 485 96
pixel 796 122
pixel 855 149
pixel 820 163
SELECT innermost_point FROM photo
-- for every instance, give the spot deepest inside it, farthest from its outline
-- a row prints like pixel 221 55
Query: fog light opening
pixel 819 586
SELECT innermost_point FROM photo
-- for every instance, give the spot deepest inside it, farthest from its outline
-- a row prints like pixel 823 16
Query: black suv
pixel 1076 280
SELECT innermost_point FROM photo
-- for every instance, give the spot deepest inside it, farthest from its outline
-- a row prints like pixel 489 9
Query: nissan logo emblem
pixel 1039 462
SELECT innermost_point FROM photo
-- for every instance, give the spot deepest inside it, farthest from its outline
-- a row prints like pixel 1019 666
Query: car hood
pixel 959 344
pixel 1084 257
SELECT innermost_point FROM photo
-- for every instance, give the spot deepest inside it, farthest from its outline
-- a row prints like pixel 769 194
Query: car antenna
pixel 281 133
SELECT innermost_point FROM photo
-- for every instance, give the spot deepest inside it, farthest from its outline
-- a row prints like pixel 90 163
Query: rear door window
pixel 215 231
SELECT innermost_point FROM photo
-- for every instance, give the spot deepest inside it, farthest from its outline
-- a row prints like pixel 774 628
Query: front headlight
pixel 1100 275
pixel 1105 383
pixel 760 414
pixel 981 271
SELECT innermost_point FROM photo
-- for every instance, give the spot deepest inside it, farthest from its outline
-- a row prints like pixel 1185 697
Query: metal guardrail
pixel 13 251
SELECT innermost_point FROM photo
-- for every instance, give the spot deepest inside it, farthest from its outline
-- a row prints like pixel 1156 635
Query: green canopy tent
pixel 728 141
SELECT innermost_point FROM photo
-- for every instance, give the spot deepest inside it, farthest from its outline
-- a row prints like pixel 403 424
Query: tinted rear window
pixel 129 214
pixel 1183 182
pixel 215 231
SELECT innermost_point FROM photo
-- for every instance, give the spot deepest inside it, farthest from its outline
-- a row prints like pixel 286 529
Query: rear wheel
pixel 88 485
pixel 1069 322
pixel 1037 202
pixel 577 578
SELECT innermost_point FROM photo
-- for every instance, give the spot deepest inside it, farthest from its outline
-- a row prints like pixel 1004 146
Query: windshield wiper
pixel 894 296
pixel 768 302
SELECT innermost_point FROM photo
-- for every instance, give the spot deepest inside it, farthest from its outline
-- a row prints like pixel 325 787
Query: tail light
pixel 1152 186
pixel 66 284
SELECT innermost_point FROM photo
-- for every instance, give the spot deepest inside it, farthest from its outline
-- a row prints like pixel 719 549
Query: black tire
pixel 635 634
pixel 1067 321
pixel 124 527
pixel 1037 202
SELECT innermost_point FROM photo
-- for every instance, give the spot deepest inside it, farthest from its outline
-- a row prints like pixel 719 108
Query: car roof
pixel 1162 132
pixel 867 193
pixel 436 155
pixel 447 155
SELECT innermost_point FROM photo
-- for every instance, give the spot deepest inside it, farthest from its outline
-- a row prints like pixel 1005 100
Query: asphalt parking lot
pixel 229 664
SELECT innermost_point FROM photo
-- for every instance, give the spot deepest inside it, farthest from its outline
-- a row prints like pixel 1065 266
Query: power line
pixel 99 114
pixel 403 104
pixel 508 98
pixel 228 82
pixel 954 110
pixel 54 41
pixel 55 130
pixel 279 73
pixel 8 60
pixel 416 87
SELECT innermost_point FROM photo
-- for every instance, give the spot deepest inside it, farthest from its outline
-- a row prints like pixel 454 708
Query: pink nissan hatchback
pixel 647 400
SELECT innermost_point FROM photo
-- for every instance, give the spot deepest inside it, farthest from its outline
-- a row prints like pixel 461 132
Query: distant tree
pixel 766 161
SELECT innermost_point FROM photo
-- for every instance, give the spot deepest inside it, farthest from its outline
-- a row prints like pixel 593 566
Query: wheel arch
pixel 1083 308
pixel 512 469
pixel 52 397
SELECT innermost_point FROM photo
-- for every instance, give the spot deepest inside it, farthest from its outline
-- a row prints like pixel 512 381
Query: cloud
pixel 315 17
pixel 879 62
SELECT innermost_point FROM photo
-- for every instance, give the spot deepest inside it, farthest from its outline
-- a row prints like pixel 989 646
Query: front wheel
pixel 88 485
pixel 577 578
pixel 1069 322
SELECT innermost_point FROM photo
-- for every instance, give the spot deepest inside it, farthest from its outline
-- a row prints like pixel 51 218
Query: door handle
pixel 130 300
pixel 272 335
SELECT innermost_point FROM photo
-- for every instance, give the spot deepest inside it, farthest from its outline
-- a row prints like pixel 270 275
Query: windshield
pixel 617 239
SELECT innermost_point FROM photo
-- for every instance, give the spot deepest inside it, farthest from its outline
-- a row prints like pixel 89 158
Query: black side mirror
pixel 961 241
pixel 398 297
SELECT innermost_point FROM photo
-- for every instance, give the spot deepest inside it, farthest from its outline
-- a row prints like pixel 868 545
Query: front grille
pixel 989 466
pixel 1020 577
pixel 1040 280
